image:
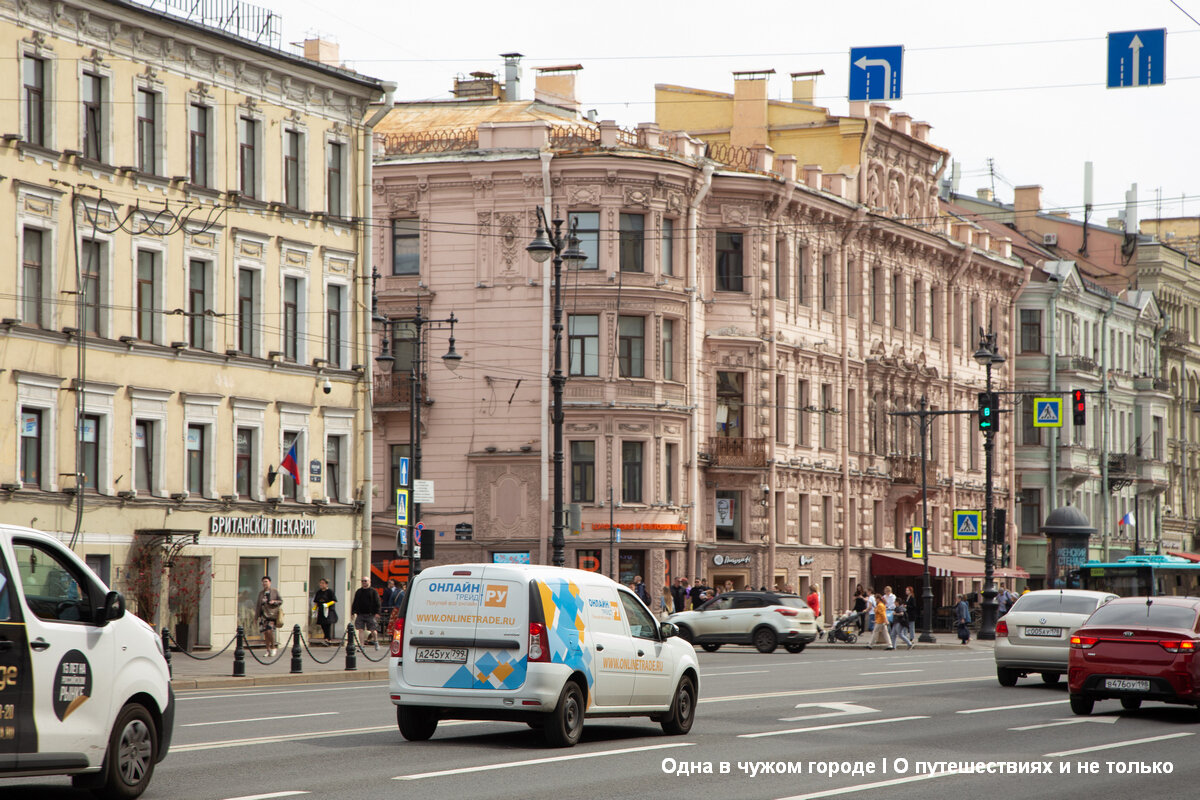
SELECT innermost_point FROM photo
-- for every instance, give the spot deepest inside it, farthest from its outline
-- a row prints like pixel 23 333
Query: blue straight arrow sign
pixel 1137 58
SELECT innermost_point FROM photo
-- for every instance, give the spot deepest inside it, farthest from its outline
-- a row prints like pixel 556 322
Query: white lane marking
pixel 865 786
pixel 266 796
pixel 828 727
pixel 295 737
pixel 839 710
pixel 260 719
pixel 358 686
pixel 840 689
pixel 891 672
pixel 1066 721
pixel 1115 745
pixel 532 761
pixel 723 674
pixel 1006 708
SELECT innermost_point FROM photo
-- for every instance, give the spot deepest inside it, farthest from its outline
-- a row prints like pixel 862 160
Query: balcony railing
pixel 907 469
pixel 728 451
pixel 392 389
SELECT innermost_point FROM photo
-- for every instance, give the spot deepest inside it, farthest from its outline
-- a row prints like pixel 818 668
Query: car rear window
pixel 1056 603
pixel 1158 614
pixel 792 602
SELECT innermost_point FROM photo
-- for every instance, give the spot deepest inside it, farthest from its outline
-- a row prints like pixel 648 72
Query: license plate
pixel 1126 685
pixel 1031 631
pixel 442 655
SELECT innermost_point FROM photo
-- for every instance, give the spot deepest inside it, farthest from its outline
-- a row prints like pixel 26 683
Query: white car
pixel 763 619
pixel 1034 636
pixel 84 687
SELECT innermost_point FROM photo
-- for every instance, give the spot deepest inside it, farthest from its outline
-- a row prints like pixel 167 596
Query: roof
pixel 470 113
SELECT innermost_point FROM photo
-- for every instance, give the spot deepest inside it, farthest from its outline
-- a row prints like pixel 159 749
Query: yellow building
pixel 184 304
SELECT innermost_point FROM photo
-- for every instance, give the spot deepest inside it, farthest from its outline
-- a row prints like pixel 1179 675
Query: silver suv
pixel 762 619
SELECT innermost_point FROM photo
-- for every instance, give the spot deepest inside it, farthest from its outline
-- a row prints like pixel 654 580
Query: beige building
pixel 184 304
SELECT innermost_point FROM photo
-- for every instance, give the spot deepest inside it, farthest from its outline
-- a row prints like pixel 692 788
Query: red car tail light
pixel 788 612
pixel 539 643
pixel 398 639
pixel 1178 646
pixel 1002 628
pixel 1083 642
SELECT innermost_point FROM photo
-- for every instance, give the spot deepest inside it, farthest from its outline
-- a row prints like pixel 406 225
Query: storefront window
pixel 729 516
pixel 250 575
pixel 589 560
pixel 632 563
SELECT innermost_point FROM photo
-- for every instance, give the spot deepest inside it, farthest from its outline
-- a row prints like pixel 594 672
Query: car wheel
pixel 129 761
pixel 1131 703
pixel 1051 678
pixel 711 648
pixel 765 640
pixel 417 724
pixel 685 633
pixel 564 725
pixel 796 648
pixel 1082 705
pixel 683 709
pixel 1007 676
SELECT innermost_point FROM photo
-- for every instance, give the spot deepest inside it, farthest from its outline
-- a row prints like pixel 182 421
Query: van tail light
pixel 1084 642
pixel 1002 628
pixel 539 643
pixel 398 639
pixel 788 612
pixel 1177 646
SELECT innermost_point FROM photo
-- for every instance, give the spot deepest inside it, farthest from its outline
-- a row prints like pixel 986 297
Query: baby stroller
pixel 843 628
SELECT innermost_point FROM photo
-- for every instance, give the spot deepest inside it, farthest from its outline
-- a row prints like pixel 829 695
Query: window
pixel 853 292
pixel 827 416
pixel 668 246
pixel 291 318
pixel 1157 445
pixel 289 487
pixel 199 129
pixel 583 340
pixel 91 255
pixel 935 313
pixel 143 455
pixel 334 185
pixel 198 304
pixel 404 346
pixel 641 624
pixel 292 168
pixel 918 307
pixel 877 298
pixel 632 242
pixel 33 276
pixel 631 347
pixel 803 401
pixel 197 460
pixel 827 519
pixel 587 228
pixel 852 420
pixel 333 325
pixel 406 255
pixel 32 446
pixel 802 275
pixel 147 131
pixel 730 399
pixel 670 472
pixel 333 468
pixel 780 271
pixel 244 462
pixel 780 408
pixel 1031 511
pixel 729 261
pixel 54 589
pixel 34 73
pixel 728 515
pixel 248 156
pixel 89 463
pixel 148 270
pixel 897 301
pixel 631 472
pixel 91 93
pixel 973 325
pixel 395 453
pixel 827 299
pixel 1031 330
pixel 583 472
pixel 668 349
pixel 246 308
pixel 958 319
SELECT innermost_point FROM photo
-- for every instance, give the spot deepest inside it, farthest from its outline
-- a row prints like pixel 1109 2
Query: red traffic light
pixel 1079 407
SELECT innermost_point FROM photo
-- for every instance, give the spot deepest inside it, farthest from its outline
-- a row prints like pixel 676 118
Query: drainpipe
pixel 1160 330
pixel 962 260
pixel 772 355
pixel 1112 304
pixel 696 343
pixel 547 198
pixel 1026 274
pixel 1053 325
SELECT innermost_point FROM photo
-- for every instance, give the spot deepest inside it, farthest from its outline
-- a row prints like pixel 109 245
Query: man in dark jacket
pixel 365 608
pixel 679 594
pixel 391 598
pixel 913 607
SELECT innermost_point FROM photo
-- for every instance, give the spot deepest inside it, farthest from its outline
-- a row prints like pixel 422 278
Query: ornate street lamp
pixel 987 356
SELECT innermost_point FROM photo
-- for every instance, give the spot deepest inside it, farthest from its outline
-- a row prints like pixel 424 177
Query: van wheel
pixel 1082 705
pixel 795 648
pixel 1007 676
pixel 417 723
pixel 711 648
pixel 129 760
pixel 1051 678
pixel 683 709
pixel 765 640
pixel 1131 703
pixel 564 725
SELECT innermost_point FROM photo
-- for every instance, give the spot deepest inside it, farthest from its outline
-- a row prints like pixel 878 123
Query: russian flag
pixel 1128 520
pixel 288 464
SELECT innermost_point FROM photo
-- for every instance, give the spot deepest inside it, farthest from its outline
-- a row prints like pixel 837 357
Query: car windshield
pixel 791 602
pixel 1055 603
pixel 1157 614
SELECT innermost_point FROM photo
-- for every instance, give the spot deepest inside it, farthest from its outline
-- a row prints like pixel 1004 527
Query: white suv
pixel 763 619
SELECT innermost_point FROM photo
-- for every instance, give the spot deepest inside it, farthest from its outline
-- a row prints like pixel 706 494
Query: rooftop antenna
pixel 1087 204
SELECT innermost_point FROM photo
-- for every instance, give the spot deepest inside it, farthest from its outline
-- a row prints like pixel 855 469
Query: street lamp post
pixel 987 356
pixel 926 585
pixel 551 240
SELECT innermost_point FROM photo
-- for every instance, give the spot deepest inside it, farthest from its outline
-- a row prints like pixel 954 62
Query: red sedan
pixel 1135 649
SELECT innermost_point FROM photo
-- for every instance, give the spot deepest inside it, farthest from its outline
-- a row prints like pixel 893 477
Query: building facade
pixel 182 308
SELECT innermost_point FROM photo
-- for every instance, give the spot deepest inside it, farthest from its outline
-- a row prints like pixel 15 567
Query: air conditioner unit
pixel 1050 239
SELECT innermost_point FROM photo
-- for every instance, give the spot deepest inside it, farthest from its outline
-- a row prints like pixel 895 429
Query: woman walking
pixel 962 618
pixel 327 617
pixel 880 632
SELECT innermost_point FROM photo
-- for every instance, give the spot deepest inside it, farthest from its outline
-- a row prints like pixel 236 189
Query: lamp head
pixel 540 248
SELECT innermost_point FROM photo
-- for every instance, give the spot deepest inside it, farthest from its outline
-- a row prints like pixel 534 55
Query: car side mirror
pixel 114 607
pixel 667 630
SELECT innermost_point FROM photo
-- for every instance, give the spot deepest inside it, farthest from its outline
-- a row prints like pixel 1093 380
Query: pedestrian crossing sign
pixel 1047 412
pixel 968 525
pixel 916 543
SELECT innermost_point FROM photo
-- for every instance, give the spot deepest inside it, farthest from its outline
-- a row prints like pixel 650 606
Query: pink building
pixel 734 344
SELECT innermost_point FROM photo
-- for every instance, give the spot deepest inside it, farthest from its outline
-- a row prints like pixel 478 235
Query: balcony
pixel 907 470
pixel 728 451
pixel 392 389
pixel 1076 364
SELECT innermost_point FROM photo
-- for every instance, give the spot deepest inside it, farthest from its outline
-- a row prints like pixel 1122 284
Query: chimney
pixel 902 122
pixel 750 108
pixel 555 86
pixel 812 176
pixel 985 194
pixel 480 84
pixel 322 51
pixel 512 76
pixel 804 87
pixel 1027 202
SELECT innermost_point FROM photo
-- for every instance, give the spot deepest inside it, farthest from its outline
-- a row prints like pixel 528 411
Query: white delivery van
pixel 84 687
pixel 542 645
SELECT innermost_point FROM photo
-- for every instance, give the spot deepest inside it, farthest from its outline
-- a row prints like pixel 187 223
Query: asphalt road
pixel 814 709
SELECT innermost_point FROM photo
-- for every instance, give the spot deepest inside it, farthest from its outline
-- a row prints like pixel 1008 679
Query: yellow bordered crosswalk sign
pixel 1047 412
pixel 402 506
pixel 968 525
pixel 916 543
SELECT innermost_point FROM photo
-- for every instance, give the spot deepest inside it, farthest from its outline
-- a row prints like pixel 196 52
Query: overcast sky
pixel 1022 82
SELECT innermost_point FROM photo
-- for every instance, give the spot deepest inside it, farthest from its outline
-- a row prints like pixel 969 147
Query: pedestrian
pixel 912 610
pixel 728 586
pixel 391 597
pixel 1004 601
pixel 962 618
pixel 860 608
pixel 889 598
pixel 665 603
pixel 900 626
pixel 871 610
pixel 639 588
pixel 814 601
pixel 879 633
pixel 268 609
pixel 365 608
pixel 679 594
pixel 324 601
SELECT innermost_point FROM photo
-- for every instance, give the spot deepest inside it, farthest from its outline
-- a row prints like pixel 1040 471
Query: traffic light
pixel 1078 407
pixel 989 404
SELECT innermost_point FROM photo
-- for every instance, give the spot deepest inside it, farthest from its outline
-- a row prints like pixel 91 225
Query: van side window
pixel 641 624
pixel 5 602
pixel 53 589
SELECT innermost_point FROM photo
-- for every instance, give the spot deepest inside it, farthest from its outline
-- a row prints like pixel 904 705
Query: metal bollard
pixel 351 649
pixel 166 645
pixel 297 664
pixel 239 654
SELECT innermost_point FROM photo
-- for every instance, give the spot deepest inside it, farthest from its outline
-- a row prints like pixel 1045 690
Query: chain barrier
pixel 282 648
pixel 313 656
pixel 386 652
pixel 167 635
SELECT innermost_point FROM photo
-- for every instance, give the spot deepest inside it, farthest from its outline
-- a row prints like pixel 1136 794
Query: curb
pixel 326 676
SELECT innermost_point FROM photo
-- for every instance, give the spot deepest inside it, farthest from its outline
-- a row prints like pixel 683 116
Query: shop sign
pixel 730 561
pixel 806 560
pixel 642 526
pixel 262 526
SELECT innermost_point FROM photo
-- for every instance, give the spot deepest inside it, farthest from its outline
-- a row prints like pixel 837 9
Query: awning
pixel 1188 556
pixel 939 567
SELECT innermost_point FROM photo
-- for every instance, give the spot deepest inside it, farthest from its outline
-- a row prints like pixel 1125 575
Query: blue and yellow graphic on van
pixel 562 608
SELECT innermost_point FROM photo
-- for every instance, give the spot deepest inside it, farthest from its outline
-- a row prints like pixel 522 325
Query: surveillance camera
pixel 327 387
